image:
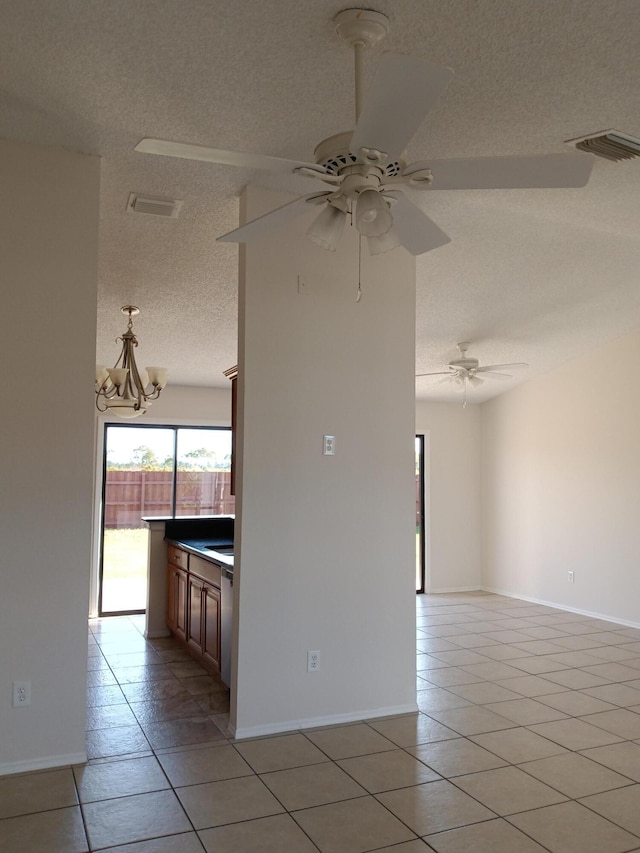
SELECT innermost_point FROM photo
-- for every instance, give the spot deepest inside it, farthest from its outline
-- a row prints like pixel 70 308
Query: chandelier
pixel 124 390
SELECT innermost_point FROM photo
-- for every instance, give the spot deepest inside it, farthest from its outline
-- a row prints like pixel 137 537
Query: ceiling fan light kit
pixel 384 243
pixel 365 170
pixel 326 229
pixel 373 217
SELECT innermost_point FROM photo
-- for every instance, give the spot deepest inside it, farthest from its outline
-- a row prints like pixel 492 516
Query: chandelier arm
pixel 153 395
pixel 101 410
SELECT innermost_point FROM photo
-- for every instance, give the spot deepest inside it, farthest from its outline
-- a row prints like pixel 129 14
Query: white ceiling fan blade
pixel 241 159
pixel 513 366
pixel 403 90
pixel 487 173
pixel 271 221
pixel 418 233
pixel 493 375
pixel 437 373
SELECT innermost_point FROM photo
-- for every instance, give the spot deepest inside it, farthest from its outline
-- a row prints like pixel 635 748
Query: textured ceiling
pixel 539 276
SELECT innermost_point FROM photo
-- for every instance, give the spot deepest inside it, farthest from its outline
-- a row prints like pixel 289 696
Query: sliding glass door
pixel 154 472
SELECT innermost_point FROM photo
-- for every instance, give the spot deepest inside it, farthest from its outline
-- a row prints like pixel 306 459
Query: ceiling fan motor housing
pixel 466 364
pixel 334 155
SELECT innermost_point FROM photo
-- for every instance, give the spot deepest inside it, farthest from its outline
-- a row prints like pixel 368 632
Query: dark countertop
pixel 200 535
pixel 214 528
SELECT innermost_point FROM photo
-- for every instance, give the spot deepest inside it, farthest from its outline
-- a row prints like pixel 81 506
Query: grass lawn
pixel 124 569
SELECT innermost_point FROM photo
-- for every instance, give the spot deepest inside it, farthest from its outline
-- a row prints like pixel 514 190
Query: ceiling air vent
pixel 610 144
pixel 154 206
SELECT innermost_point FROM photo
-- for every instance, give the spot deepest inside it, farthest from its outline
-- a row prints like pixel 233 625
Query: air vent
pixel 153 206
pixel 610 144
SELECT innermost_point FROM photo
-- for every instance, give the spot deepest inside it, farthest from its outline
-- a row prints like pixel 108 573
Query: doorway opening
pixel 154 472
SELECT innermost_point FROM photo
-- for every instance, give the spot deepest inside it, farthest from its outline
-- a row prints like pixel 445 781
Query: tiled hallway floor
pixel 527 740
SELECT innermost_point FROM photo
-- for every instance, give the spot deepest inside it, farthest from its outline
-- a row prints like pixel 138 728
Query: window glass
pixel 154 472
pixel 203 477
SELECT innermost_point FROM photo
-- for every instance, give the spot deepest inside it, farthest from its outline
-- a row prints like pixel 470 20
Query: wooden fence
pixel 130 495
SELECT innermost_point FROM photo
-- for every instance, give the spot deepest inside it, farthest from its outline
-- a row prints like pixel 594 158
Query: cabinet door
pixel 194 626
pixel 172 600
pixel 181 604
pixel 211 625
pixel 177 601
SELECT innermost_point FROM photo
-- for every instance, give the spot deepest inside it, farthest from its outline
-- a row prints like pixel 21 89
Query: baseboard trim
pixel 47 763
pixel 454 589
pixel 590 613
pixel 317 722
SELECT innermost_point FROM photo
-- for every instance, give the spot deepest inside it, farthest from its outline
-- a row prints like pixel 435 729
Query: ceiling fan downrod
pixel 359 29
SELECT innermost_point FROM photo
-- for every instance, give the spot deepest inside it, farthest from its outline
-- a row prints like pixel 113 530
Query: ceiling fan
pixel 467 372
pixel 365 168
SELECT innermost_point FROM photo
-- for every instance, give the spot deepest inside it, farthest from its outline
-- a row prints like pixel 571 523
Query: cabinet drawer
pixel 178 557
pixel 209 572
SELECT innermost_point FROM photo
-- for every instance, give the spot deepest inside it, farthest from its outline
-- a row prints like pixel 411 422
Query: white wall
pixel 183 404
pixel 326 544
pixel 561 485
pixel 452 494
pixel 48 269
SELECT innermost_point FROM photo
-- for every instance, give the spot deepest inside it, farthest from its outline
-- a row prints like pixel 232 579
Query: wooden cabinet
pixel 193 605
pixel 194 621
pixel 177 609
pixel 211 625
pixel 177 592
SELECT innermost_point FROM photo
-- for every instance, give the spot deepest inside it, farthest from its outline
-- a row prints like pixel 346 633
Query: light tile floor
pixel 527 740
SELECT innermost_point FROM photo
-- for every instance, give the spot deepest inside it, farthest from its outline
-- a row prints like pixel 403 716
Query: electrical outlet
pixel 571 577
pixel 329 445
pixel 21 694
pixel 313 661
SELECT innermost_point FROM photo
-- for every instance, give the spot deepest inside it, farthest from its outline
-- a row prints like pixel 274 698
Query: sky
pixel 122 441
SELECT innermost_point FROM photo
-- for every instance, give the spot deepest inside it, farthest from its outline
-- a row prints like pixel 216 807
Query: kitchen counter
pixel 193 533
pixel 206 548
pixel 200 599
pixel 200 535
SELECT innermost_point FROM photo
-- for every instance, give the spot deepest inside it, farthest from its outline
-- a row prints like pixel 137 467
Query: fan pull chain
pixel 359 292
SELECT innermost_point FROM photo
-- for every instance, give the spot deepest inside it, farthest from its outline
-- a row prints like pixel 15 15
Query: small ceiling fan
pixel 365 168
pixel 467 372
